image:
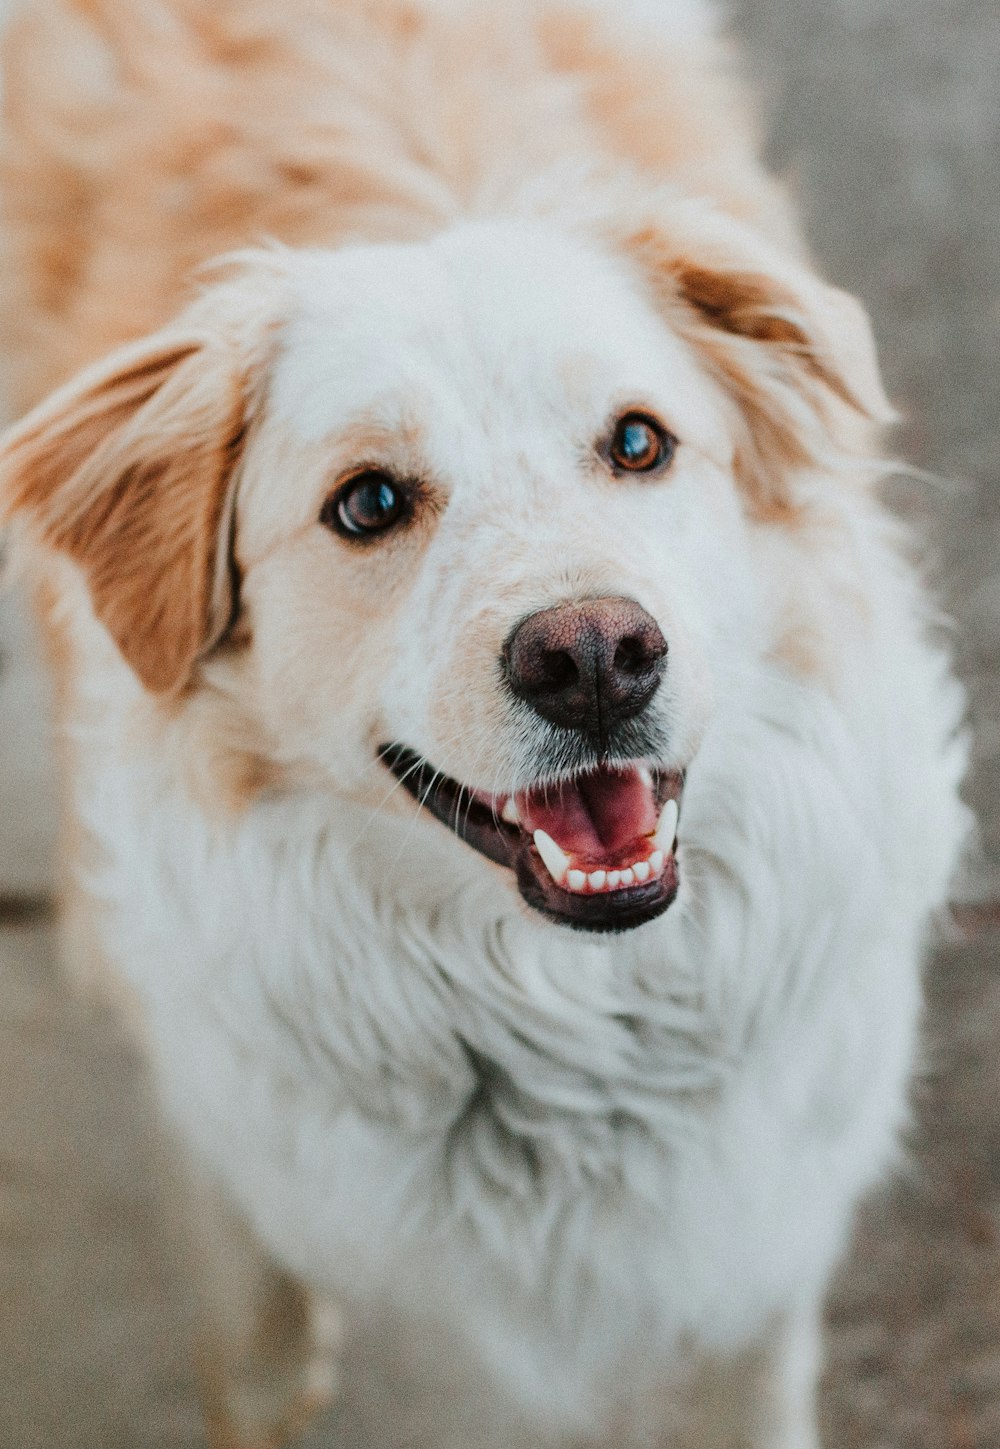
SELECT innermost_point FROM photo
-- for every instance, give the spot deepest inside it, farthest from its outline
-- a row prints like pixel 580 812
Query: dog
pixel 512 765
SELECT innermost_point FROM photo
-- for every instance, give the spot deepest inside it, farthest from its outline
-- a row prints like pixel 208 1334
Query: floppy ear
pixel 797 355
pixel 130 470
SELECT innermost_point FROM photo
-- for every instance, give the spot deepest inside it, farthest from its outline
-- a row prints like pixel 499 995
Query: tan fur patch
pixel 223 756
pixel 795 355
pixel 673 116
pixel 143 527
pixel 128 471
pixel 142 137
pixel 802 650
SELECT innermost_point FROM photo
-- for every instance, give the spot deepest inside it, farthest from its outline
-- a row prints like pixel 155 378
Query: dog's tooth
pixel 510 812
pixel 614 878
pixel 656 861
pixel 597 879
pixel 628 877
pixel 556 860
pixel 641 869
pixel 576 879
pixel 645 775
pixel 666 827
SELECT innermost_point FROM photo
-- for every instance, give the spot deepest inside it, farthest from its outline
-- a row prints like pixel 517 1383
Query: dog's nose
pixel 588 665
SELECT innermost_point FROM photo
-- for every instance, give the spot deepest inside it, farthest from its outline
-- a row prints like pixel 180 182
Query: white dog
pixel 507 761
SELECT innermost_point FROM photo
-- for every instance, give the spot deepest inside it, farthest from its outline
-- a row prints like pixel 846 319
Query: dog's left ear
pixel 797 355
pixel 130 470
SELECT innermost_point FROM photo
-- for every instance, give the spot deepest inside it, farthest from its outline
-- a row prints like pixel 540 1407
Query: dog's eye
pixel 368 503
pixel 640 444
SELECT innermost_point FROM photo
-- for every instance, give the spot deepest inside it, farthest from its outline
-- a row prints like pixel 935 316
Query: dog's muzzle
pixel 592 841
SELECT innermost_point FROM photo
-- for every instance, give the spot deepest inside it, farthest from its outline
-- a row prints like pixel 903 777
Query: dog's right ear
pixel 130 470
pixel 796 355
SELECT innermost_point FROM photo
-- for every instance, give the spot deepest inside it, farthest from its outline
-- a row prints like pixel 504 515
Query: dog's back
pixel 142 137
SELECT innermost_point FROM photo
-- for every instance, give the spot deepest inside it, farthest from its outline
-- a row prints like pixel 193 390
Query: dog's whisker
pixel 398 781
pixel 419 806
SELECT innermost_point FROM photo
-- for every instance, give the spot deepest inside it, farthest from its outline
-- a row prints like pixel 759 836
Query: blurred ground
pixel 886 114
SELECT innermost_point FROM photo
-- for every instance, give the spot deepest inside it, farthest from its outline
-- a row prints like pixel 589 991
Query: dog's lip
pixel 507 828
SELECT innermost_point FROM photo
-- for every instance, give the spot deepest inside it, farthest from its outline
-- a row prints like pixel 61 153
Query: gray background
pixel 885 115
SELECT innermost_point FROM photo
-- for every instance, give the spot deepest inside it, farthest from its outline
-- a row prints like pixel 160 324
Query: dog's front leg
pixel 789 1419
pixel 267 1347
pixel 763 1397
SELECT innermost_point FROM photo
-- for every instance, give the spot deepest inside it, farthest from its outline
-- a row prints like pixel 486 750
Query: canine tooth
pixel 641 869
pixel 510 812
pixel 614 878
pixel 666 826
pixel 556 860
pixel 645 775
pixel 628 877
pixel 577 880
pixel 656 861
pixel 597 879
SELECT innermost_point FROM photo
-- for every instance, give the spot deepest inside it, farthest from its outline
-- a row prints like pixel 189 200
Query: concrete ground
pixel 886 114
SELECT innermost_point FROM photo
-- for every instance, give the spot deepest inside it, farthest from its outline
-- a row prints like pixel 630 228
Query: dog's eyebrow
pixel 399 448
pixel 384 438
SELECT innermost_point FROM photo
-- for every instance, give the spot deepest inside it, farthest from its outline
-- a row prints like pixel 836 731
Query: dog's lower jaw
pixel 643 903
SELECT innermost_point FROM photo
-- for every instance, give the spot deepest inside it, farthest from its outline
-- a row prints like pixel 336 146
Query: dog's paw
pixel 268 1397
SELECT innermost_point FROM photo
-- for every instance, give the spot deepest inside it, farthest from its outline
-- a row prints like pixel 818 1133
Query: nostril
pixel 638 655
pixel 632 656
pixel 557 670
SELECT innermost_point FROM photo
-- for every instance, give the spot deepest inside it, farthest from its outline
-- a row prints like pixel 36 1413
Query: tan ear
pixel 798 355
pixel 130 471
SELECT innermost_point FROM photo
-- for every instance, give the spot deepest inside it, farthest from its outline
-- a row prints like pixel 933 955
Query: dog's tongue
pixel 592 816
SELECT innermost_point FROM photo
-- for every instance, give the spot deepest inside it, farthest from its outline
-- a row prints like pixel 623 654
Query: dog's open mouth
pixel 596 851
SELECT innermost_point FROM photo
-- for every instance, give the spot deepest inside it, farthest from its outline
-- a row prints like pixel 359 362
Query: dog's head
pixel 473 513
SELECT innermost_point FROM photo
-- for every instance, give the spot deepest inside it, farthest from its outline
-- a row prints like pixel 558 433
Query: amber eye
pixel 640 444
pixel 368 503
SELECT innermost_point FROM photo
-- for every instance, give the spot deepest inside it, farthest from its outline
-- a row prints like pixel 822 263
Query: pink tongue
pixel 592 816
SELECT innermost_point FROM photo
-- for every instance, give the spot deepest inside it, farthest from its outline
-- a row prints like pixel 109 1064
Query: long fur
pixel 587 1166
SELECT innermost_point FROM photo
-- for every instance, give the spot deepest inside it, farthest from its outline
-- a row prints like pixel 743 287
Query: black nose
pixel 587 666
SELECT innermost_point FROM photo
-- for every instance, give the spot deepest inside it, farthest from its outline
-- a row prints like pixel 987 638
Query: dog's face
pixel 487 500
pixel 491 557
